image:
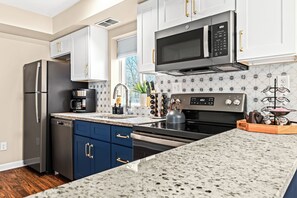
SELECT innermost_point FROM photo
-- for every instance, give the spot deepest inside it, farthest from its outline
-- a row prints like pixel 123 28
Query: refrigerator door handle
pixel 36 93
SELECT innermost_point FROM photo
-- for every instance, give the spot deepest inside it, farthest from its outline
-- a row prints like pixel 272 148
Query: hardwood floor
pixel 24 181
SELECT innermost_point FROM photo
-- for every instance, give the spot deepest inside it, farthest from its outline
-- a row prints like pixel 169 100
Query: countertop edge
pixel 117 122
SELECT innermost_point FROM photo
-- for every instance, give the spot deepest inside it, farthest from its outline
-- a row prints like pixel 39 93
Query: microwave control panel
pixel 220 39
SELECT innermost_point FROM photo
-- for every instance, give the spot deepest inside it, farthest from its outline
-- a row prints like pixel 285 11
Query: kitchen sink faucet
pixel 128 103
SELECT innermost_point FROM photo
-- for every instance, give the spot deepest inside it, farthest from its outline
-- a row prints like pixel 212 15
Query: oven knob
pixel 228 102
pixel 236 102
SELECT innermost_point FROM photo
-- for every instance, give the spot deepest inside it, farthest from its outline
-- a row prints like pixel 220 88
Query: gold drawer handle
pixel 194 7
pixel 240 40
pixel 123 136
pixel 186 8
pixel 122 161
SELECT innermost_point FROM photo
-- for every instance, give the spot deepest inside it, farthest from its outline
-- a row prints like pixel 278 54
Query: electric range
pixel 206 114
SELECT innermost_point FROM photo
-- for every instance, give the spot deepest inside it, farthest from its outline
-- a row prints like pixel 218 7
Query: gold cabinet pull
pixel 194 7
pixel 122 161
pixel 123 136
pixel 59 46
pixel 87 149
pixel 186 8
pixel 86 70
pixel 240 40
pixel 153 56
pixel 90 151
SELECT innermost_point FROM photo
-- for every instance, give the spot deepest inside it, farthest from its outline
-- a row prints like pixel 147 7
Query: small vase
pixel 143 100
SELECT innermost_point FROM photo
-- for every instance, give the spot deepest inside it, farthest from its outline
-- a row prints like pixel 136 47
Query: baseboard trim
pixel 11 165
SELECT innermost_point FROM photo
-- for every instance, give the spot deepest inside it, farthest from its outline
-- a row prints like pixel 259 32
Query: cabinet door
pixel 79 55
pixel 100 156
pixel 147 24
pixel 205 8
pixel 82 163
pixel 100 132
pixel 265 34
pixel 60 47
pixel 173 12
pixel 120 155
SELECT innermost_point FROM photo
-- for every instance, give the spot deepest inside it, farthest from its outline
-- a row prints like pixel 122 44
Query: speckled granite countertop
pixel 102 118
pixel 231 164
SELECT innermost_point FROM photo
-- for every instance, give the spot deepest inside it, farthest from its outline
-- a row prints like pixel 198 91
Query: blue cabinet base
pixel 292 189
pixel 99 147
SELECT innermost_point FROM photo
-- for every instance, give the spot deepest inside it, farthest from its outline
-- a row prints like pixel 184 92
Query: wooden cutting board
pixel 263 128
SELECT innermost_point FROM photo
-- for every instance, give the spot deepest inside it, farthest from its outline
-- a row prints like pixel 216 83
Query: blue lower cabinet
pixel 120 155
pixel 82 163
pixel 99 147
pixel 90 156
pixel 292 189
pixel 100 153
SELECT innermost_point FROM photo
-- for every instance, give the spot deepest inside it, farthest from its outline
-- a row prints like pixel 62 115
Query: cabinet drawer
pixel 121 135
pixel 82 128
pixel 100 132
pixel 120 155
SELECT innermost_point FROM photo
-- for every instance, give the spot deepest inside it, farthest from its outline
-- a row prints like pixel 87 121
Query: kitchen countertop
pixel 95 117
pixel 235 163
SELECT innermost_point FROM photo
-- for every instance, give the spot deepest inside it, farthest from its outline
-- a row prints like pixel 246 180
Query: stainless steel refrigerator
pixel 47 89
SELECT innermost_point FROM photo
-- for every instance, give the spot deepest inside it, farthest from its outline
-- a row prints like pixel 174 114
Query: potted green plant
pixel 141 88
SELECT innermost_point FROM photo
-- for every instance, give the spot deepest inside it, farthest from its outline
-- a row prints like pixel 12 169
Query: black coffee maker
pixel 83 100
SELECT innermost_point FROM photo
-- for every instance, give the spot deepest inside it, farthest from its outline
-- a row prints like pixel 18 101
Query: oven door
pixel 184 46
pixel 145 144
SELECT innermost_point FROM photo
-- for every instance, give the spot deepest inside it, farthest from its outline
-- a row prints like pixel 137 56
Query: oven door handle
pixel 205 41
pixel 157 140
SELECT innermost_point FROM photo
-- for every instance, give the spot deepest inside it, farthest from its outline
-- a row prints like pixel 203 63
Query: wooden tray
pixel 263 128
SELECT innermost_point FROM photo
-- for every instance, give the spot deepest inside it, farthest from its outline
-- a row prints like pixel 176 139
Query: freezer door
pixel 35 77
pixel 35 131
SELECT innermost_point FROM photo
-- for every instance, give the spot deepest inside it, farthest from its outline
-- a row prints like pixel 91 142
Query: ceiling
pixel 44 7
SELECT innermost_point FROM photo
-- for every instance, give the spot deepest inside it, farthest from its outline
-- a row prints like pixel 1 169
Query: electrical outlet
pixel 283 81
pixel 176 88
pixel 3 146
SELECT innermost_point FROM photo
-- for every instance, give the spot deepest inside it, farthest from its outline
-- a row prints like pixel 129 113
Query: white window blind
pixel 127 46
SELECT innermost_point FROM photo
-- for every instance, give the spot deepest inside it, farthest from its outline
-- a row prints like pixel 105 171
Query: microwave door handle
pixel 205 41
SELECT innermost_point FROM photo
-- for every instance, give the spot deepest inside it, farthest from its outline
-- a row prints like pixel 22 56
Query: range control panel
pixel 220 39
pixel 228 102
pixel 202 101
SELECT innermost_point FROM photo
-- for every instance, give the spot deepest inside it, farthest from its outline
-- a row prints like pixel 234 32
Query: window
pixel 130 76
pixel 128 70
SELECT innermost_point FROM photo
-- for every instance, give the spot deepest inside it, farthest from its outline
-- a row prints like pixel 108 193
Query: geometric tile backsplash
pixel 250 82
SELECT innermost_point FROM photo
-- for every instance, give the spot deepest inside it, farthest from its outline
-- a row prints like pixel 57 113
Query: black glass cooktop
pixel 191 129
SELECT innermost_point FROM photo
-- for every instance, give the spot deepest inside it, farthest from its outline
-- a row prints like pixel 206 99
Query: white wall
pixel 15 51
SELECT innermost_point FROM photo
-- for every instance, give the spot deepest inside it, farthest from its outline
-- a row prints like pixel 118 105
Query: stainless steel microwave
pixel 203 46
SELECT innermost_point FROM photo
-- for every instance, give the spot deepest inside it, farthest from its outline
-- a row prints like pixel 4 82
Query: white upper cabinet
pixel 60 47
pixel 205 8
pixel 173 12
pixel 89 54
pixel 147 24
pixel 176 12
pixel 266 31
